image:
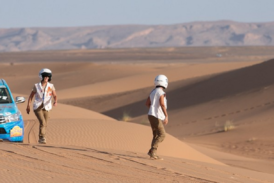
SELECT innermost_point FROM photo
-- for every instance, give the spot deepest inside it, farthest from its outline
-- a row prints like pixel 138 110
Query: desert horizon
pixel 220 115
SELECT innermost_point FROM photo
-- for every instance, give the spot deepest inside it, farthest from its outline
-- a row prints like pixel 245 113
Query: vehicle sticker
pixel 4 97
pixel 16 131
pixel 4 106
pixel 8 113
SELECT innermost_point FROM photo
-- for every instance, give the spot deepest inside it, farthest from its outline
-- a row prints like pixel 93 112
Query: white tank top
pixel 155 107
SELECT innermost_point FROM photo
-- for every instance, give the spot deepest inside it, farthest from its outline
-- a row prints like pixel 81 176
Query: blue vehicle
pixel 11 120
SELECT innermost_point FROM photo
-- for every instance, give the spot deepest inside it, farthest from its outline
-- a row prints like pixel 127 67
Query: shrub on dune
pixel 228 125
pixel 126 117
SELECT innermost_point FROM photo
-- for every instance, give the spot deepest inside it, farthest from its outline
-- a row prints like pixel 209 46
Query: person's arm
pixel 162 104
pixel 54 97
pixel 148 102
pixel 29 101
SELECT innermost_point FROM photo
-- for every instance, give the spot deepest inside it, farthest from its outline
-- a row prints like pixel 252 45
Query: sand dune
pixel 86 143
pixel 21 77
pixel 107 150
pixel 243 97
pixel 75 126
pixel 54 163
pixel 134 82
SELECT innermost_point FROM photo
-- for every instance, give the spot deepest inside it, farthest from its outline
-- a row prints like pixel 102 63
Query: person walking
pixel 43 92
pixel 157 114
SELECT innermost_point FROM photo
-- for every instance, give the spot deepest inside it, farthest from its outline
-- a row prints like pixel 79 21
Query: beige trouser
pixel 158 131
pixel 42 115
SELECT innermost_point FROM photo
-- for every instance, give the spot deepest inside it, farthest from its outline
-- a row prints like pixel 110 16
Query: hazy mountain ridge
pixel 220 33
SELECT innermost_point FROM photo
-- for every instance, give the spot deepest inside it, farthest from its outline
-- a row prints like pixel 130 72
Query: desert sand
pixel 220 127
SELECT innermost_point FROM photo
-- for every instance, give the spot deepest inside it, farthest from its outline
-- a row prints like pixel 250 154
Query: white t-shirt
pixel 155 107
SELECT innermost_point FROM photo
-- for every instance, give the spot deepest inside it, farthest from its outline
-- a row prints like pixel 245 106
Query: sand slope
pixel 134 82
pixel 52 163
pixel 200 108
pixel 68 127
pixel 84 145
pixel 101 150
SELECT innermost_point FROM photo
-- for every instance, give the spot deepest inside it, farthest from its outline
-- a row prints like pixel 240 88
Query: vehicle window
pixel 4 96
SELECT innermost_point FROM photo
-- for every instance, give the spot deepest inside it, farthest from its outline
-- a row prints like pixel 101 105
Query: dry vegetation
pixel 229 125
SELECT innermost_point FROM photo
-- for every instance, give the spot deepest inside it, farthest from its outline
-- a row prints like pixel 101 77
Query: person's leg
pixel 153 125
pixel 46 117
pixel 158 131
pixel 42 123
pixel 159 135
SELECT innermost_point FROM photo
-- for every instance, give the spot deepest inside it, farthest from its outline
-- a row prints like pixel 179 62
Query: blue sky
pixel 64 13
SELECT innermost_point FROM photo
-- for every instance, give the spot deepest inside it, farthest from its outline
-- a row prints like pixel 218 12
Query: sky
pixel 72 13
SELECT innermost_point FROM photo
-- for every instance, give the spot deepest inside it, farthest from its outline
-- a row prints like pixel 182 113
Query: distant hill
pixel 219 33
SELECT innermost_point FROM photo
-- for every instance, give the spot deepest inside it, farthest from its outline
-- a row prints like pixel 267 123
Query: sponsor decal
pixel 4 106
pixel 49 91
pixel 16 131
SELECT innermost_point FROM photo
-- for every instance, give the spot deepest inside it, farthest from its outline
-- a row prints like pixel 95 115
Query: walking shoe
pixel 42 141
pixel 149 153
pixel 154 156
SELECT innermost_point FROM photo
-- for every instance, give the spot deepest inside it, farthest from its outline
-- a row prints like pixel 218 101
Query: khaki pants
pixel 158 131
pixel 42 115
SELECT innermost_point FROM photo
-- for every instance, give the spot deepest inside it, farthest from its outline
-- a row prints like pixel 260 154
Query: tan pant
pixel 42 115
pixel 158 131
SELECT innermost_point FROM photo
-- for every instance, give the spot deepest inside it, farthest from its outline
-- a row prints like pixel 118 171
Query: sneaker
pixel 149 153
pixel 155 157
pixel 42 141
